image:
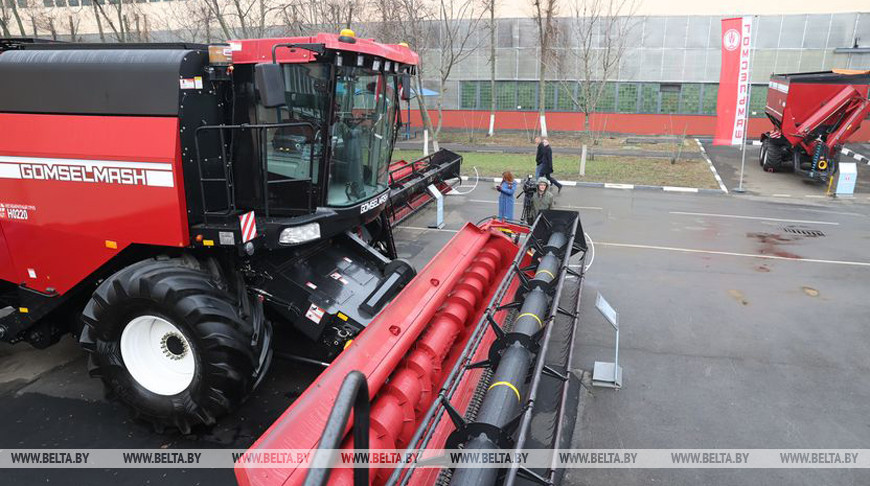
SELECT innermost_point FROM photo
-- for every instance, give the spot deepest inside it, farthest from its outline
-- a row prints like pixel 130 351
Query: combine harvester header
pixel 466 356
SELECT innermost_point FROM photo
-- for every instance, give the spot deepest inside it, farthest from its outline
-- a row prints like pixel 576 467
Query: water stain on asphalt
pixel 770 244
pixel 762 268
pixel 738 296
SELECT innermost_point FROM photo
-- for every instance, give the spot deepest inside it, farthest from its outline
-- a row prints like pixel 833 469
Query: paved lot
pixel 736 333
pixel 727 162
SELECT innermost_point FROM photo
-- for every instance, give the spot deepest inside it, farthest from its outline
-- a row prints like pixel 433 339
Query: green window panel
pixel 550 95
pixel 670 98
pixel 649 98
pixel 757 100
pixel 527 92
pixel 690 99
pixel 628 98
pixel 468 95
pixel 607 101
pixel 566 96
pixel 485 92
pixel 506 95
pixel 708 99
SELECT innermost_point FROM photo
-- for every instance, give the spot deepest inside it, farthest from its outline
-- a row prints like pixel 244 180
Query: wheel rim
pixel 157 355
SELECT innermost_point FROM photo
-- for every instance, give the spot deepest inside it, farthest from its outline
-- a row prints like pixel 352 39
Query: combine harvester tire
pixel 171 341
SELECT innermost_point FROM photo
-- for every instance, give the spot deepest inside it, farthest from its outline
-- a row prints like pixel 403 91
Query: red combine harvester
pixel 169 204
pixel 813 114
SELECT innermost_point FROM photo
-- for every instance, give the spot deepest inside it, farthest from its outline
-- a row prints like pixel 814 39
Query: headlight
pixel 299 234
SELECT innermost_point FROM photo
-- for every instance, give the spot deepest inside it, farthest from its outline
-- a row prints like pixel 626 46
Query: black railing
pixel 354 393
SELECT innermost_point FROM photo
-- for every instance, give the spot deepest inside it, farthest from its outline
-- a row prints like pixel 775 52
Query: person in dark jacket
pixel 539 156
pixel 546 164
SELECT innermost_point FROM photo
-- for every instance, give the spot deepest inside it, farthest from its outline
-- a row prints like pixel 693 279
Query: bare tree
pixel 10 13
pixel 409 21
pixel 544 16
pixel 458 21
pixel 600 29
pixel 306 17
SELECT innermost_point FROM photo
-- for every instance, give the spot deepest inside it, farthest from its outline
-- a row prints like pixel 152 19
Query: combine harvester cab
pixel 468 355
pixel 813 115
pixel 194 198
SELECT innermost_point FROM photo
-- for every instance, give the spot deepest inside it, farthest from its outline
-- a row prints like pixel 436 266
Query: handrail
pixel 227 162
pixel 354 392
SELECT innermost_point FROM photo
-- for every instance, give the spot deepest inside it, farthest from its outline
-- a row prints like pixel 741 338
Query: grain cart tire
pixel 171 342
pixel 763 152
pixel 772 158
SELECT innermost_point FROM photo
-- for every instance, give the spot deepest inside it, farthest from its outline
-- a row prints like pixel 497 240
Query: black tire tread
pixel 229 356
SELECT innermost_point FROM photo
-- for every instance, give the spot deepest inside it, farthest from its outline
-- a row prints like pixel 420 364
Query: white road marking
pixel 735 216
pixel 728 253
pixel 712 167
pixel 557 207
pixel 782 195
pixel 417 228
pixel 679 189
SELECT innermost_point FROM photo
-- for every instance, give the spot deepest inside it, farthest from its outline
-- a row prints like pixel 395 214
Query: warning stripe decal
pixel 248 223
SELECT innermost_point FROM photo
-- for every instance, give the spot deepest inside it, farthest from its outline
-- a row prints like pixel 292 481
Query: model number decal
pixel 369 205
pixel 18 212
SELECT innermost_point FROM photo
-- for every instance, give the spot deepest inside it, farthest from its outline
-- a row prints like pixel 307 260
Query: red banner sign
pixel 732 106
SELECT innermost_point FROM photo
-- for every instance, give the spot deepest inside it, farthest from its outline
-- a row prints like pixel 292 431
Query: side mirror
pixel 406 87
pixel 270 84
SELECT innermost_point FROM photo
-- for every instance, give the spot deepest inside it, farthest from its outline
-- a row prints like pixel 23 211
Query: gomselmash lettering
pixel 78 173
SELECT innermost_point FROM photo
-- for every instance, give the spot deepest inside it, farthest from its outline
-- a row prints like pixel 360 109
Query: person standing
pixel 506 190
pixel 539 156
pixel 543 198
pixel 546 164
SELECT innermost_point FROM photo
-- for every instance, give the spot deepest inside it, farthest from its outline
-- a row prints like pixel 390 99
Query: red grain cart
pixel 813 115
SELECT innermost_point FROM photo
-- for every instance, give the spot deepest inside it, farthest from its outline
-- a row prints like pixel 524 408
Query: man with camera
pixel 537 198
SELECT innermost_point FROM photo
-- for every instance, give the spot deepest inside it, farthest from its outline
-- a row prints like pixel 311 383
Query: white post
pixel 583 161
pixel 491 125
pixel 748 104
pixel 425 143
pixel 543 125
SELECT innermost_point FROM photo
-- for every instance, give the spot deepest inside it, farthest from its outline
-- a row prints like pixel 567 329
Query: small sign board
pixel 847 178
pixel 607 311
pixel 439 206
pixel 608 374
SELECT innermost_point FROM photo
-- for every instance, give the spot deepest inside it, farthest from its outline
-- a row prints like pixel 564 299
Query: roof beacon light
pixel 347 35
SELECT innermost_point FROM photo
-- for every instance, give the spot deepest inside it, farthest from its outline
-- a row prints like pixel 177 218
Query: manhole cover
pixel 809 232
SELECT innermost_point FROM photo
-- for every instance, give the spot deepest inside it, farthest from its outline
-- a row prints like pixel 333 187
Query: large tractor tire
pixel 174 342
pixel 773 156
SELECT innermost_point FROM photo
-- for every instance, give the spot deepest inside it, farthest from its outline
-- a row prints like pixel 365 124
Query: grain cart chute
pixel 183 199
pixel 813 115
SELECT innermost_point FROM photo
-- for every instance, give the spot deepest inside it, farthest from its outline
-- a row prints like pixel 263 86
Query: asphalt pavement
pixel 738 331
pixel 728 159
